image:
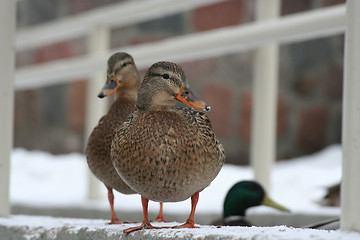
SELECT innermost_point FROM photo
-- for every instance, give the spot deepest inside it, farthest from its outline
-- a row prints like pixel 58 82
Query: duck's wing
pixel 205 132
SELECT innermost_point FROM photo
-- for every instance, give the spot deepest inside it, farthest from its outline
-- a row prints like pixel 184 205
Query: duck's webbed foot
pixel 146 223
pixel 188 224
pixel 142 226
pixel 160 217
pixel 116 221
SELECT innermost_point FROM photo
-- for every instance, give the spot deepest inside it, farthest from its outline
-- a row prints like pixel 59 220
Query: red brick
pixel 218 15
pixel 55 51
pixel 76 108
pixel 312 127
pixel 246 116
pixel 199 68
pixel 27 118
pixel 27 109
pixel 308 84
pixel 282 117
pixel 327 3
pixel 334 83
pixel 144 39
pixel 246 106
pixel 294 6
pixel 220 100
pixel 78 6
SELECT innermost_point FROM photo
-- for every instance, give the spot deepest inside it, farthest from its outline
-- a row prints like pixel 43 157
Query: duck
pixel 331 199
pixel 242 196
pixel 332 196
pixel 123 82
pixel 167 154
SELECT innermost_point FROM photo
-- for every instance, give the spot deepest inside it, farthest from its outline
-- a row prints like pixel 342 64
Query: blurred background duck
pixel 240 197
pixel 167 154
pixel 332 196
pixel 122 81
pixel 332 199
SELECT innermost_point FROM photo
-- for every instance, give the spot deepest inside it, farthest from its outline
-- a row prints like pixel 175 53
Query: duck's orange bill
pixel 186 96
pixel 105 92
pixel 111 85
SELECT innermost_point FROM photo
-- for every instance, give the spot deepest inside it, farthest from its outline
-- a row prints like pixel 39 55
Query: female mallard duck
pixel 167 155
pixel 332 197
pixel 123 81
pixel 240 197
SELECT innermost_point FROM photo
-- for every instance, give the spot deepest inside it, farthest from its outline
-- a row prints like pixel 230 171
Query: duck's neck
pixel 239 211
pixel 156 102
pixel 126 93
pixel 234 206
pixel 123 104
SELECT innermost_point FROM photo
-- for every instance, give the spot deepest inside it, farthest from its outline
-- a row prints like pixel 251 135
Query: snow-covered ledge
pixel 35 227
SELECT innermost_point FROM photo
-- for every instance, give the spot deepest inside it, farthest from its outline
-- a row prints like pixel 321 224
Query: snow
pixel 42 179
pixel 35 227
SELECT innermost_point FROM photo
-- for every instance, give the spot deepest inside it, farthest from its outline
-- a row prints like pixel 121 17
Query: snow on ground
pixel 42 179
pixel 35 227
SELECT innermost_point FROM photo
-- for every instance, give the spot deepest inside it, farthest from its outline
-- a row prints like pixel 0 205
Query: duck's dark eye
pixel 124 64
pixel 187 92
pixel 166 76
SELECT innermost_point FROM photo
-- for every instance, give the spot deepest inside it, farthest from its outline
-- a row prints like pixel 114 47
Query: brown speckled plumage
pixel 164 154
pixel 99 144
pixel 167 156
pixel 123 81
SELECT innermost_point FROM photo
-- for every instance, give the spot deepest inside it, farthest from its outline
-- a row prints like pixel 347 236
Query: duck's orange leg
pixel 190 223
pixel 146 223
pixel 114 219
pixel 160 217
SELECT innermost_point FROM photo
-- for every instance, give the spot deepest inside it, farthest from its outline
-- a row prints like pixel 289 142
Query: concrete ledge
pixel 36 227
pixel 261 218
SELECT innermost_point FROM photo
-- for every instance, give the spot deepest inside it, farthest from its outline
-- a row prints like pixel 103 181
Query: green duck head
pixel 246 194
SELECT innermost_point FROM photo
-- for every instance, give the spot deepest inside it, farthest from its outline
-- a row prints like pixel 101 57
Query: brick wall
pixel 310 81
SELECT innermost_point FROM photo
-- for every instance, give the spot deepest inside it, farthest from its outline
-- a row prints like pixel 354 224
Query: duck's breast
pixel 166 156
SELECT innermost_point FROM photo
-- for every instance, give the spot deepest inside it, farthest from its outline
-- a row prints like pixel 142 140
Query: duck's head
pixel 165 84
pixel 246 194
pixel 122 76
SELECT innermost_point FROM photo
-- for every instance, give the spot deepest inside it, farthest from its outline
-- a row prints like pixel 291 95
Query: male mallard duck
pixel 240 197
pixel 123 81
pixel 167 154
